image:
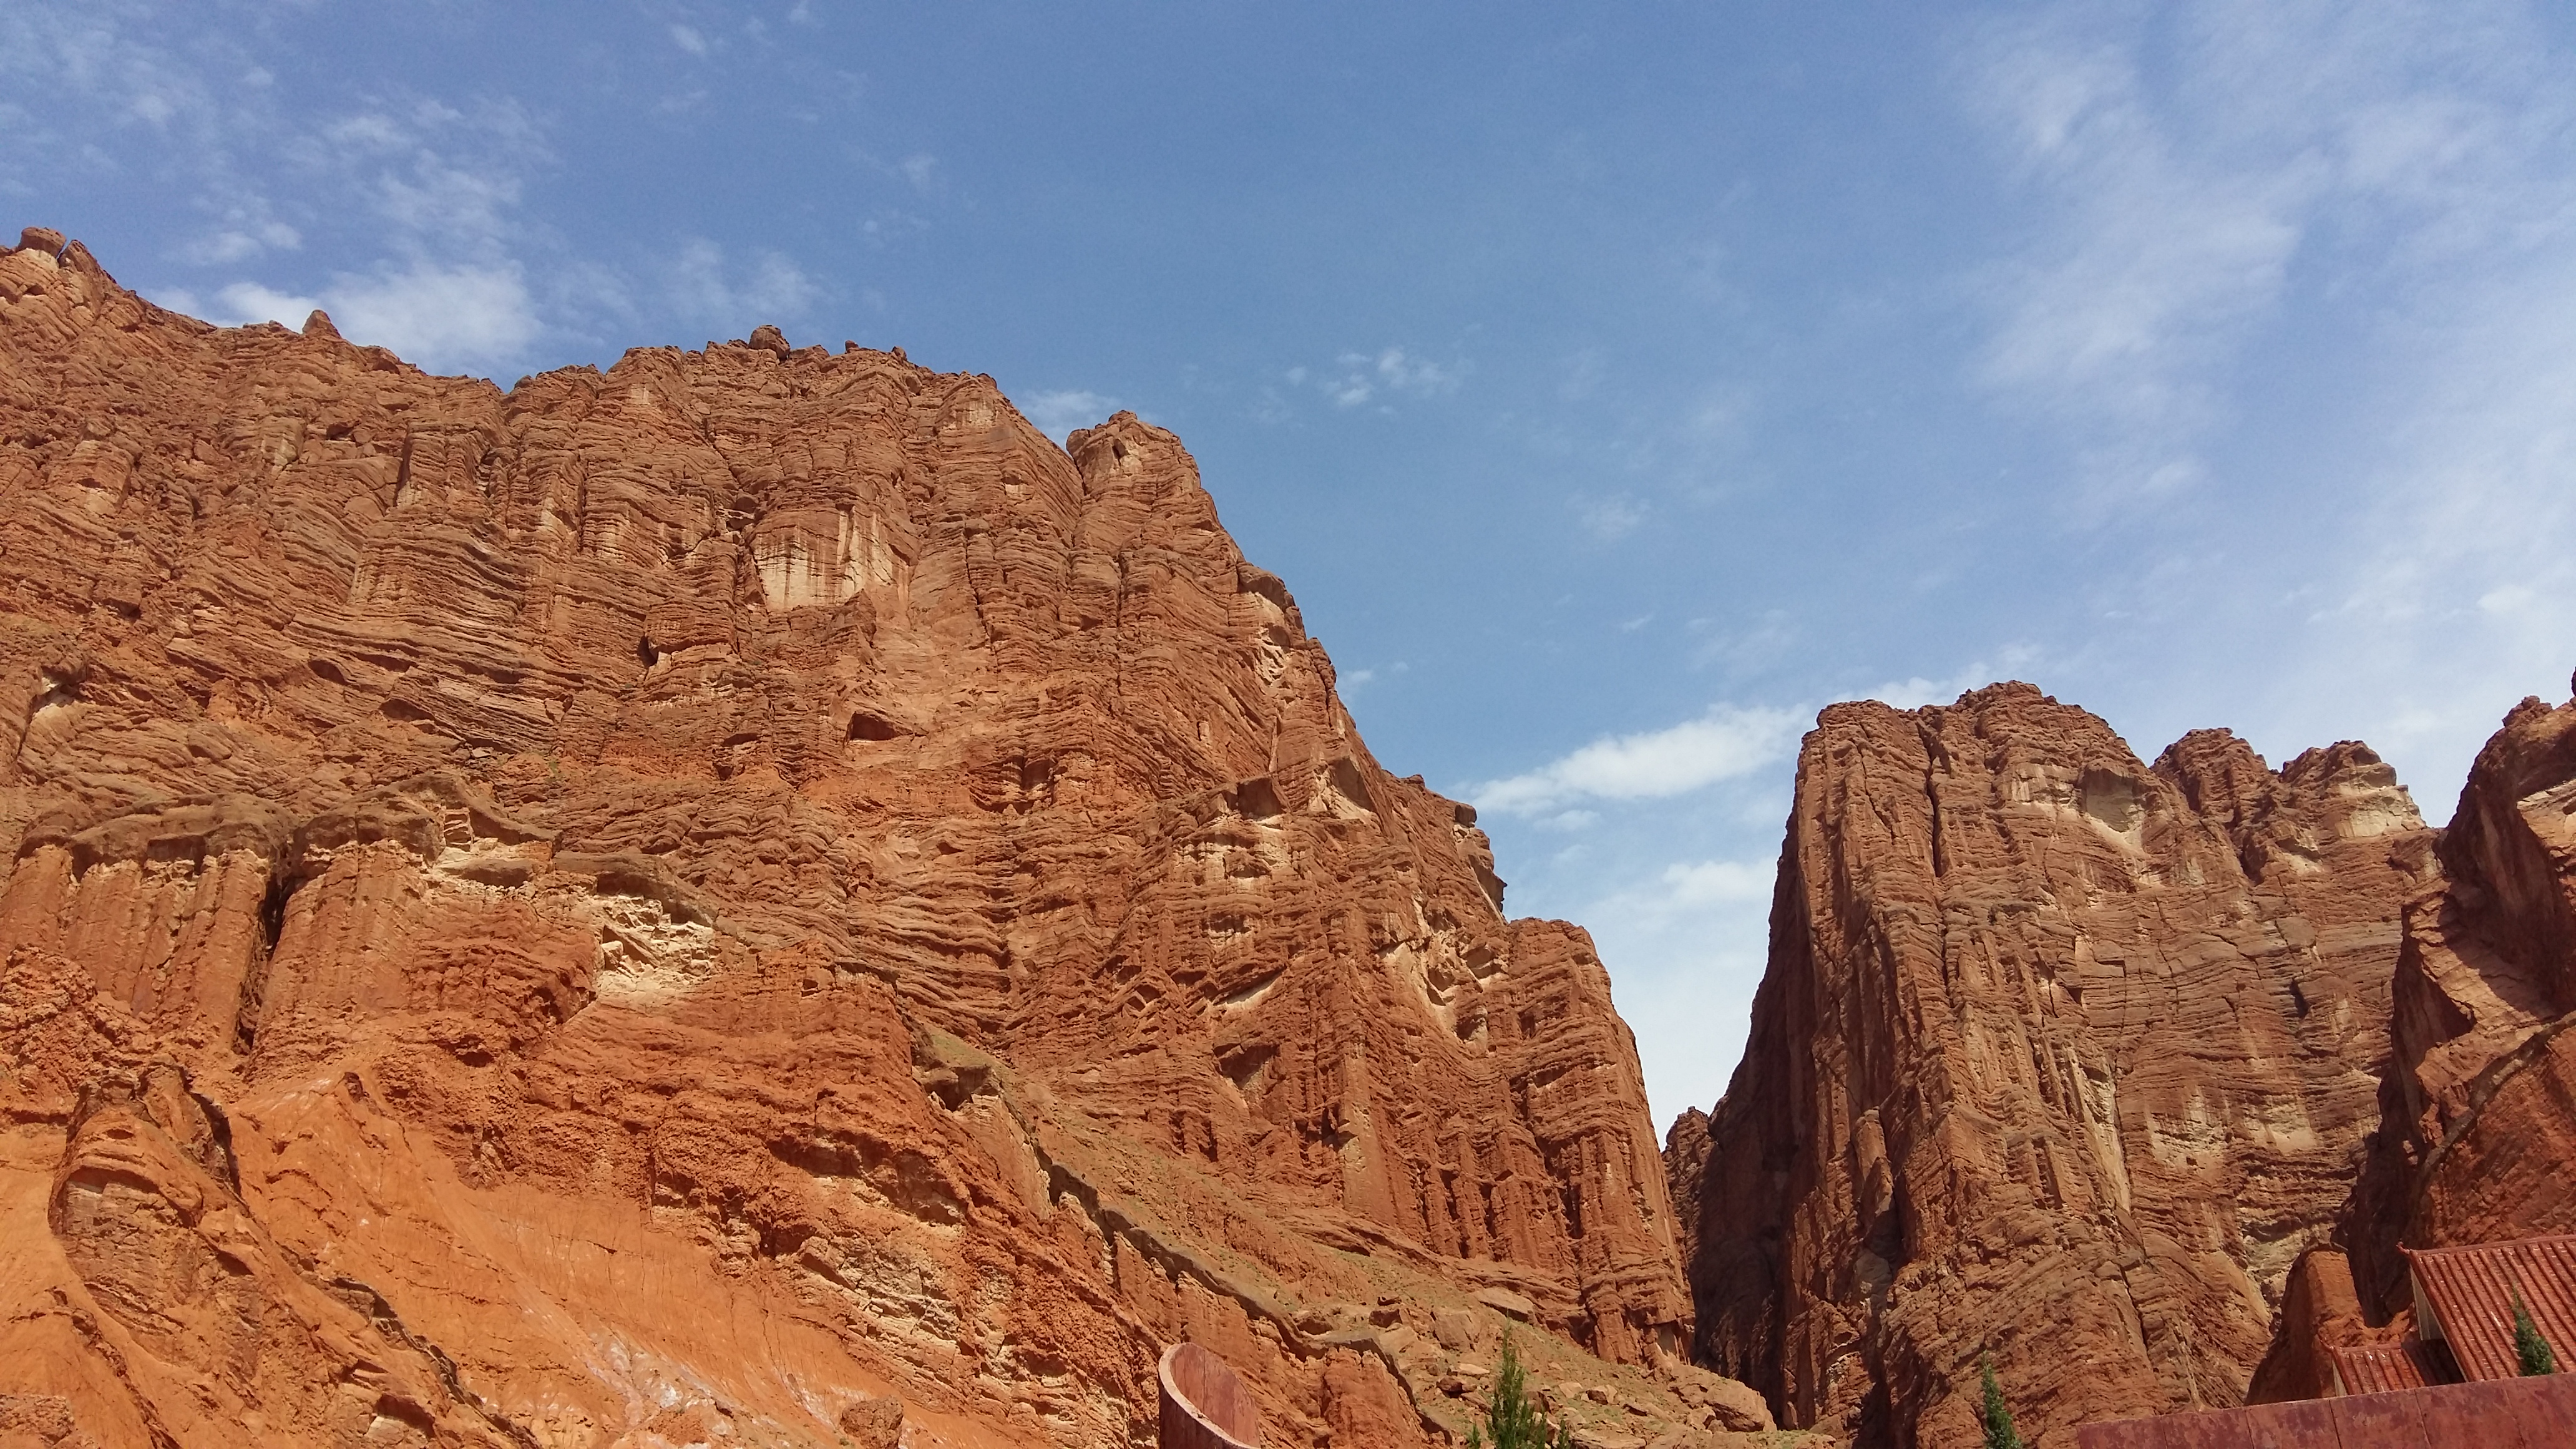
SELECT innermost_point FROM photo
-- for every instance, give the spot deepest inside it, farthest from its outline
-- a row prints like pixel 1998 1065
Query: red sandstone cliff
pixel 701 898
pixel 2477 1134
pixel 2479 1141
pixel 2057 1055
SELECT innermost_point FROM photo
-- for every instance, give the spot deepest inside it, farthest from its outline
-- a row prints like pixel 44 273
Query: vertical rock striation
pixel 2479 1141
pixel 745 893
pixel 2057 1055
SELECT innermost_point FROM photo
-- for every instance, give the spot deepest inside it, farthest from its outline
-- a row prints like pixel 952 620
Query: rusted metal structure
pixel 2381 1368
pixel 2517 1413
pixel 1205 1406
pixel 2464 1299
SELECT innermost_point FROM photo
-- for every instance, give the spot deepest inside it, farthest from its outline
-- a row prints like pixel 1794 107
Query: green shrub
pixel 2528 1346
pixel 1997 1419
pixel 1512 1418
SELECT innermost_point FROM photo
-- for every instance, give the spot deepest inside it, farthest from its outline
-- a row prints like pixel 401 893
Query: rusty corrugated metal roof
pixel 2379 1368
pixel 2501 1414
pixel 2470 1290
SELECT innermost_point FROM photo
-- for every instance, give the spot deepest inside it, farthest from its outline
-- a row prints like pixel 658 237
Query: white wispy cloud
pixel 242 303
pixel 2456 590
pixel 2156 254
pixel 1727 742
pixel 1690 885
pixel 2013 661
pixel 2200 177
pixel 1361 678
pixel 405 214
pixel 245 232
pixel 451 316
pixel 1688 945
pixel 2187 165
pixel 1360 377
pixel 457 314
pixel 702 284
pixel 1610 518
pixel 1059 412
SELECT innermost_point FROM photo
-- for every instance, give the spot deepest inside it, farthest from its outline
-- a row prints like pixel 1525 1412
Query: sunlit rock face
pixel 2480 1137
pixel 709 898
pixel 2058 1056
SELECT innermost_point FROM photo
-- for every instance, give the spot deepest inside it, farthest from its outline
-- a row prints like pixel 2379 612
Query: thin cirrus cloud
pixel 2153 251
pixel 403 212
pixel 441 185
pixel 2181 201
pixel 2199 178
pixel 1358 378
pixel 1727 742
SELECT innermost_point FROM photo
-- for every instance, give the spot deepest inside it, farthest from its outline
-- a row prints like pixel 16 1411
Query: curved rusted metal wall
pixel 1205 1406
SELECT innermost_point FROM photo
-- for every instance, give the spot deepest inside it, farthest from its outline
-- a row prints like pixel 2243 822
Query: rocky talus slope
pixel 752 898
pixel 2061 1056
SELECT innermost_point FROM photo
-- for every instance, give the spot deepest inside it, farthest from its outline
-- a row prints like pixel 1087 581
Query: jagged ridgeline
pixel 747 894
pixel 2120 1074
pixel 751 896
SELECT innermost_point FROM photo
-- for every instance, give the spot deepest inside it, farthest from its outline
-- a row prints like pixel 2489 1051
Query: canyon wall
pixel 2058 1057
pixel 753 894
pixel 2479 1141
pixel 2477 1134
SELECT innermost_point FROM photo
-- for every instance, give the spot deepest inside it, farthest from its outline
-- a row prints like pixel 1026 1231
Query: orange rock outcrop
pixel 749 894
pixel 2058 1056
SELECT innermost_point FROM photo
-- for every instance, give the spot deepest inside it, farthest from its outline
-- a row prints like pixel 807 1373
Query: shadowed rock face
pixel 746 893
pixel 2057 1055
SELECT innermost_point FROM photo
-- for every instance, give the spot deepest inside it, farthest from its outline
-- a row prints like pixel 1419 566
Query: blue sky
pixel 1615 385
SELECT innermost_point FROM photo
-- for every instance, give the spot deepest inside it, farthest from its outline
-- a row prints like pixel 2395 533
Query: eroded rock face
pixel 2480 1137
pixel 749 894
pixel 2057 1056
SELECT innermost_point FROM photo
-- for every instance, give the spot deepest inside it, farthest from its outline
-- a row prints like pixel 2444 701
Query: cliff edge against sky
pixel 2124 1074
pixel 2058 1056
pixel 712 897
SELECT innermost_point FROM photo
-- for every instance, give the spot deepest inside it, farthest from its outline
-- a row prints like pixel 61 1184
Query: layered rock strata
pixel 2058 1057
pixel 745 894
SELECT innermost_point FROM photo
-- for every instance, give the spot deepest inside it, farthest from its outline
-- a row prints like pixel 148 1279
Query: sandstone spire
pixel 2058 1056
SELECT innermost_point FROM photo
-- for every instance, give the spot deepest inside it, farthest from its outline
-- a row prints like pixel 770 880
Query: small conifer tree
pixel 2000 1433
pixel 1512 1418
pixel 2528 1345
